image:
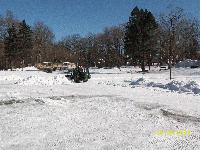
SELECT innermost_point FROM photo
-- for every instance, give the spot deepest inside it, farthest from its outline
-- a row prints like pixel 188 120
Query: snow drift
pixel 179 86
pixel 31 68
pixel 10 77
pixel 187 63
pixel 44 80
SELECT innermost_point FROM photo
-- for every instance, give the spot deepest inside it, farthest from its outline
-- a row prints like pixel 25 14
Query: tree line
pixel 142 41
pixel 172 38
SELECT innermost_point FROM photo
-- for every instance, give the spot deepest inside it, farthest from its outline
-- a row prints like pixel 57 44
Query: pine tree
pixel 138 36
pixel 25 42
pixel 10 42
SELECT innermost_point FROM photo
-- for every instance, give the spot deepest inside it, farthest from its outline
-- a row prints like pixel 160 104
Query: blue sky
pixel 67 17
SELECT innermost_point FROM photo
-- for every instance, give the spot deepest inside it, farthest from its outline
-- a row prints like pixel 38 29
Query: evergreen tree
pixel 10 42
pixel 138 36
pixel 25 42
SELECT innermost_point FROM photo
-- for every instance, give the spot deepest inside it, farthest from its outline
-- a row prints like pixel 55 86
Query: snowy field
pixel 114 110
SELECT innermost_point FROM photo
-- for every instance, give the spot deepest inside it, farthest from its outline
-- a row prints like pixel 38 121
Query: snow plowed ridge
pixel 179 86
pixel 179 117
pixel 43 80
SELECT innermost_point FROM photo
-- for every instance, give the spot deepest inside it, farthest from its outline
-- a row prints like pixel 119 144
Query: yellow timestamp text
pixel 172 133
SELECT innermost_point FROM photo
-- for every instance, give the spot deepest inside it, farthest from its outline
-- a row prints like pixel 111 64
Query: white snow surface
pixel 116 109
pixel 43 80
pixel 30 68
pixel 179 86
pixel 188 63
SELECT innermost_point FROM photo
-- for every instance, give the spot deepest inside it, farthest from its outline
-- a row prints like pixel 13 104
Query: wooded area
pixel 143 40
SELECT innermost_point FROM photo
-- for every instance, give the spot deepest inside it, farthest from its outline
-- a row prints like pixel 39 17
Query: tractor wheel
pixel 76 79
pixel 85 80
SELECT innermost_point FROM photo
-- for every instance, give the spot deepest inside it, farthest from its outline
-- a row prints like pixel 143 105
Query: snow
pixel 31 68
pixel 188 63
pixel 42 80
pixel 116 109
pixel 189 87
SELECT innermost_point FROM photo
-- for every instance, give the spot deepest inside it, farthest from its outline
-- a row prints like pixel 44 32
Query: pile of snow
pixel 10 77
pixel 44 80
pixel 187 63
pixel 105 71
pixel 179 86
pixel 32 68
pixel 195 73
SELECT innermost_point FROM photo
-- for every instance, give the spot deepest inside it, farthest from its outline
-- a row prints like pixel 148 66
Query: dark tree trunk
pixel 143 65
pixel 149 66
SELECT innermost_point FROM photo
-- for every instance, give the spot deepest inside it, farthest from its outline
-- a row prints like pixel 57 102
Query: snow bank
pixel 32 68
pixel 105 71
pixel 187 63
pixel 44 80
pixel 179 86
pixel 10 77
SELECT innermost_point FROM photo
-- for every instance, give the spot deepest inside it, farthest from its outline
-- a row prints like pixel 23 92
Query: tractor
pixel 79 74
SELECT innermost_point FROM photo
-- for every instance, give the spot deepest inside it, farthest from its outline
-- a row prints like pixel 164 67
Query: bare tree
pixel 178 37
pixel 43 42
